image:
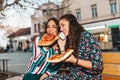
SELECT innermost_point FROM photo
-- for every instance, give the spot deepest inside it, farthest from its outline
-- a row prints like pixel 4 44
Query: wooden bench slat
pixel 111 58
pixel 108 77
pixel 111 69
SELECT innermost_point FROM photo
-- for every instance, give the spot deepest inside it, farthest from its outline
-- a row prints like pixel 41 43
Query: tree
pixel 6 5
pixel 23 8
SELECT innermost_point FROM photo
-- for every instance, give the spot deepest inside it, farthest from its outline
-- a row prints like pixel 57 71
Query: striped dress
pixel 38 64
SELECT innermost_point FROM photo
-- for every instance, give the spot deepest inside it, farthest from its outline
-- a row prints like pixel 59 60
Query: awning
pixel 114 26
pixel 102 30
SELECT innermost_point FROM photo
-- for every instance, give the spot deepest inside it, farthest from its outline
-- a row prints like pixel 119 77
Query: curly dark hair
pixel 75 30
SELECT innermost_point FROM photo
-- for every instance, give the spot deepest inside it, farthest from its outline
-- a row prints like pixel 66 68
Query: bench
pixel 4 66
pixel 111 63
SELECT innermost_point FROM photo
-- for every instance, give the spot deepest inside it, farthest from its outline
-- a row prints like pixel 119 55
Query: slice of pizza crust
pixel 47 40
pixel 60 57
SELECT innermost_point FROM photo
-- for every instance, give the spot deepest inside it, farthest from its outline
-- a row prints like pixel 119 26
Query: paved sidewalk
pixel 9 75
pixel 17 64
pixel 19 77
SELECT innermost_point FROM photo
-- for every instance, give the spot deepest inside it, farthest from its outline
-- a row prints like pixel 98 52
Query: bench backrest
pixel 111 64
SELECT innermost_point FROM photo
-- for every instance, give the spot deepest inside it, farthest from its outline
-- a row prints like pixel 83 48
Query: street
pixel 18 61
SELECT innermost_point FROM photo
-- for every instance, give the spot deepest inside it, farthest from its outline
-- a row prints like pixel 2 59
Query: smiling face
pixel 52 28
pixel 64 26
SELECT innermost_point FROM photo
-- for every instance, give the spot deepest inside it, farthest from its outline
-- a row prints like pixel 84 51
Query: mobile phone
pixel 61 35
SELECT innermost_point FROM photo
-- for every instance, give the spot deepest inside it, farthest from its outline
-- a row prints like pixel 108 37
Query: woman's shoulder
pixel 38 37
pixel 86 33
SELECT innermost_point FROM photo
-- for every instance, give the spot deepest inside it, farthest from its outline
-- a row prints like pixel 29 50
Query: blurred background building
pixel 20 40
pixel 41 15
pixel 100 17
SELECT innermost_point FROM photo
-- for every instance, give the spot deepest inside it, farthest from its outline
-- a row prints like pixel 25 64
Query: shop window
pixel 104 37
pixel 101 37
pixel 104 41
pixel 116 38
pixel 115 35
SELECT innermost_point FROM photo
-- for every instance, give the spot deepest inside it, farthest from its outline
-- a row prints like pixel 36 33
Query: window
pixel 38 27
pixel 94 10
pixel 113 6
pixel 116 38
pixel 69 12
pixel 35 28
pixel 68 0
pixel 78 13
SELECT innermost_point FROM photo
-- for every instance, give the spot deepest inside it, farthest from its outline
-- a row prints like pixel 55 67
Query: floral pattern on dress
pixel 88 50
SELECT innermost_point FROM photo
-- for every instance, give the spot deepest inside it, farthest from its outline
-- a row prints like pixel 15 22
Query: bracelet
pixel 76 61
pixel 62 51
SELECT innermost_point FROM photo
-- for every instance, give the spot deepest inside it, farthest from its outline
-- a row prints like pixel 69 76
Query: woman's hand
pixel 71 59
pixel 46 48
pixel 43 76
pixel 55 47
pixel 84 63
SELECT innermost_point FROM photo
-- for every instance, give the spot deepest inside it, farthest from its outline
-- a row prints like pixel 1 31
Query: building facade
pixel 40 17
pixel 20 40
pixel 100 17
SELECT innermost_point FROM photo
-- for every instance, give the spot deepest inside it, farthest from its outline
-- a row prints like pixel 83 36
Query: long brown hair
pixel 56 22
pixel 75 30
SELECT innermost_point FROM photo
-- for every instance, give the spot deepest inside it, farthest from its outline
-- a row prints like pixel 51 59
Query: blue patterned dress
pixel 38 64
pixel 88 50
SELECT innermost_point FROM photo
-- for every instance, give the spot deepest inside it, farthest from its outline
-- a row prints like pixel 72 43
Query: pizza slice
pixel 47 39
pixel 60 57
